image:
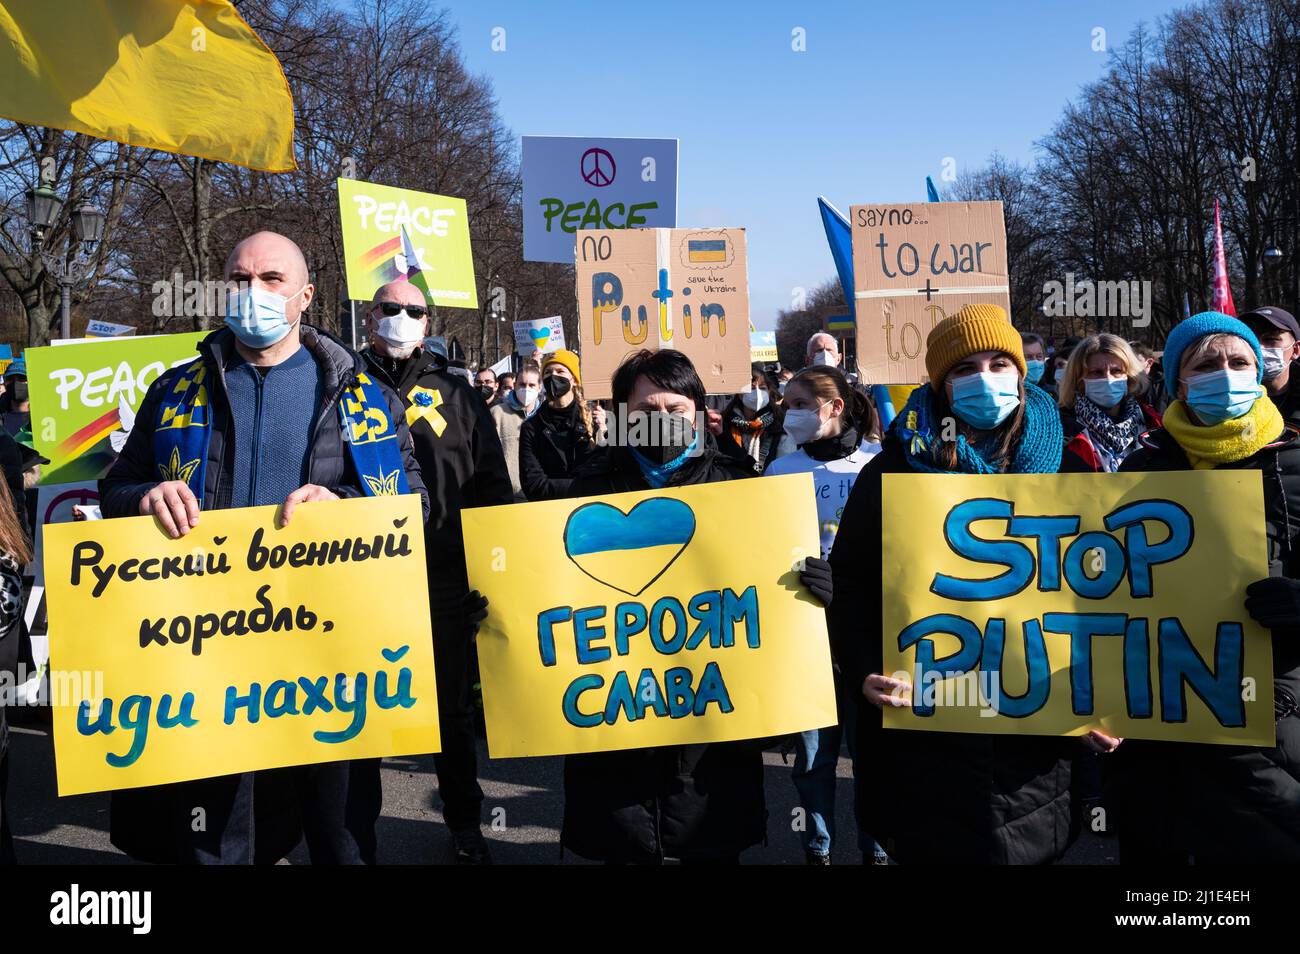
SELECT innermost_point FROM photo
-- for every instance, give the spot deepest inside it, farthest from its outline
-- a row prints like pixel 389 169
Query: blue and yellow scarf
pixel 184 429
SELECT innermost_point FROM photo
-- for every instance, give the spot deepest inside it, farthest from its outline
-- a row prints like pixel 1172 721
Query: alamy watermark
pixel 1089 299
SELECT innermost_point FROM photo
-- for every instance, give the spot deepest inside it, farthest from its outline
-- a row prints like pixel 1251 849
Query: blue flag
pixel 931 193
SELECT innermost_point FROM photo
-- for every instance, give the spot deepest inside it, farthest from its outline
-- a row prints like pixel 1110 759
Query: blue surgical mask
pixel 1034 371
pixel 1219 396
pixel 1105 392
pixel 986 399
pixel 257 317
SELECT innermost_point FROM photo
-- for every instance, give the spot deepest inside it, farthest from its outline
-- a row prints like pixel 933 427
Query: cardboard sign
pixel 913 265
pixel 539 336
pixel 659 617
pixel 85 395
pixel 393 233
pixel 1055 604
pixel 762 346
pixel 686 289
pixel 241 646
pixel 573 183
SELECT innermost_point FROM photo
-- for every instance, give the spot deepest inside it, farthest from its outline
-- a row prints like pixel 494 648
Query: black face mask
pixel 662 437
pixel 556 386
pixel 19 391
pixel 487 390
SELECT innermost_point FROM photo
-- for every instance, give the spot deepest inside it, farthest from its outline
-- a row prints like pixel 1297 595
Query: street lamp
pixel 72 267
pixel 1272 259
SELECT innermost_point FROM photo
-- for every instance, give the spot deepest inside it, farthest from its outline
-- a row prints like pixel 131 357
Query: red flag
pixel 1222 292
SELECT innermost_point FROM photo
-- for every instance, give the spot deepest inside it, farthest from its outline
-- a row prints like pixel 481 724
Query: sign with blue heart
pixel 657 617
pixel 539 335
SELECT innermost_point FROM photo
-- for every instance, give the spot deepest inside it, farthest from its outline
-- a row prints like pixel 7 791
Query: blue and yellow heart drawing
pixel 628 551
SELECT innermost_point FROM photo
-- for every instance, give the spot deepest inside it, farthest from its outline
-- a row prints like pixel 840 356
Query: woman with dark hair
pixel 1224 804
pixel 753 420
pixel 830 422
pixel 15 553
pixel 703 804
pixel 940 797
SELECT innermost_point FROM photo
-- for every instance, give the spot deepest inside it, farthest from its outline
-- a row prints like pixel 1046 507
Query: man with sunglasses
pixel 463 465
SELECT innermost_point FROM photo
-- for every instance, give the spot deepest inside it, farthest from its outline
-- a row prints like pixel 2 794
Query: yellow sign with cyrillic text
pixel 656 617
pixel 1053 604
pixel 243 645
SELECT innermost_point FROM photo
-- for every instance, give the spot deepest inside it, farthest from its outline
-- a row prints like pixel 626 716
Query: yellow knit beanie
pixel 566 358
pixel 970 330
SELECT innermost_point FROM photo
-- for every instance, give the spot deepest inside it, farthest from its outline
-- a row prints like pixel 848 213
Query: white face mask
pixel 526 396
pixel 824 359
pixel 401 330
pixel 803 425
pixel 1274 361
pixel 755 399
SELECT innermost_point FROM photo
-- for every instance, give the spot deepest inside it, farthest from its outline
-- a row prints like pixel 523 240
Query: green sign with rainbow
pixel 391 233
pixel 85 394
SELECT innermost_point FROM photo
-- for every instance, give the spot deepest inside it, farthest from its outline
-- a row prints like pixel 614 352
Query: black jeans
pixel 254 818
pixel 457 762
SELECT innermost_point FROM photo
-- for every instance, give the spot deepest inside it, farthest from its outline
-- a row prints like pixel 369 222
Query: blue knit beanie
pixel 1187 331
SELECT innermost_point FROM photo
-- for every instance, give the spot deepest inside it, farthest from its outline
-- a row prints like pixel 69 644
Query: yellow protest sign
pixel 243 645
pixel 1055 604
pixel 655 617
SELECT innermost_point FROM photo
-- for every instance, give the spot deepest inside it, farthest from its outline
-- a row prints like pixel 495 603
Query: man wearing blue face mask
pixel 1035 357
pixel 273 409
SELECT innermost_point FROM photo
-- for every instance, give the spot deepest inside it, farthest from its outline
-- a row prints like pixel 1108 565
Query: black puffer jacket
pixel 1222 803
pixel 936 797
pixel 329 463
pixel 694 802
pixel 553 444
pixel 139 817
pixel 456 445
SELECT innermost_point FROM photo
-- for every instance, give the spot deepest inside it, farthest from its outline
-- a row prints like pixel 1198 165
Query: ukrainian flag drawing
pixel 628 551
pixel 703 251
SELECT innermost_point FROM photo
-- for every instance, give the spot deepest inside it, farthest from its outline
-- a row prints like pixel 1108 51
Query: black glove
pixel 1274 602
pixel 475 608
pixel 816 575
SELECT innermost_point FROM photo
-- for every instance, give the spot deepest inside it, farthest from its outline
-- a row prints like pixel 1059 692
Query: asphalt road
pixel 522 811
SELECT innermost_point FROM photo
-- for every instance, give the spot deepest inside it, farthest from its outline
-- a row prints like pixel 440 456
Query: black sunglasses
pixel 390 309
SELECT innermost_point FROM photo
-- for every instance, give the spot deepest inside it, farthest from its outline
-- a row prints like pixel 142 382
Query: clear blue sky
pixel 883 92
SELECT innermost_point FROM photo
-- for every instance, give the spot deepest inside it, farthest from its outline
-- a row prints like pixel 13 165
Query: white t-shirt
pixel 832 480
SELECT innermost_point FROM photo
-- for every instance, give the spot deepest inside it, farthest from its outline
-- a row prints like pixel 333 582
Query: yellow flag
pixel 185 77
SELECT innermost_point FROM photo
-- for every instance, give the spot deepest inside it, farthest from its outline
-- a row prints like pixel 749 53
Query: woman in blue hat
pixel 1177 802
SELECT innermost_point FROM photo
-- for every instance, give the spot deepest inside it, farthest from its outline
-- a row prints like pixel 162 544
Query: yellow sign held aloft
pixel 655 617
pixel 241 646
pixel 1054 604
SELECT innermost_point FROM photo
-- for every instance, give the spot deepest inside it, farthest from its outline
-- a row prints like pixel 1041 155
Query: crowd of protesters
pixel 265 396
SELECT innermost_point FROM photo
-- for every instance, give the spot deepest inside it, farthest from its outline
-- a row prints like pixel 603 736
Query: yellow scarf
pixel 1233 440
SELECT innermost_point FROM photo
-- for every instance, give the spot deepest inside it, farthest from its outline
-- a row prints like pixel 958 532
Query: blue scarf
pixel 184 430
pixel 657 475
pixel 1039 450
